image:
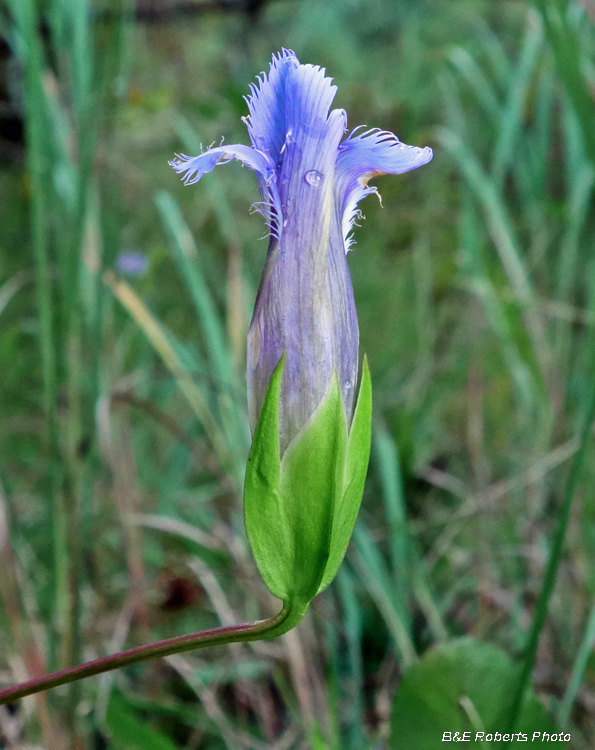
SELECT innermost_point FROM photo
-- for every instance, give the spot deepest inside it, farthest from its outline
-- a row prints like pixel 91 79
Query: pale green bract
pixel 300 508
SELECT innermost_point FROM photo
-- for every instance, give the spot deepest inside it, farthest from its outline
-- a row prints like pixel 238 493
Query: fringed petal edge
pixel 362 156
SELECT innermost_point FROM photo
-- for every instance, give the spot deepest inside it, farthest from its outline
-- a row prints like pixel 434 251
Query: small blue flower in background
pixel 311 180
pixel 132 263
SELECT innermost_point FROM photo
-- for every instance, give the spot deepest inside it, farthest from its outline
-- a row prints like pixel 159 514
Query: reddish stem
pixel 247 631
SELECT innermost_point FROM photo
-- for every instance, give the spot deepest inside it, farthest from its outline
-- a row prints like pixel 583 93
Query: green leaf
pixel 356 467
pixel 463 686
pixel 288 502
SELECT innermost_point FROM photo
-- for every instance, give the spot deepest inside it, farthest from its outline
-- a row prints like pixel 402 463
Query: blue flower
pixel 132 263
pixel 311 180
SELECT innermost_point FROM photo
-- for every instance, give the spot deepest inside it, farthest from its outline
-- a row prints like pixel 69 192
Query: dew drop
pixel 314 178
pixel 348 385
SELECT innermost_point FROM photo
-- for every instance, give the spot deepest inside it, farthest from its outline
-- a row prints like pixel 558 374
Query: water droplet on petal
pixel 314 178
pixel 348 385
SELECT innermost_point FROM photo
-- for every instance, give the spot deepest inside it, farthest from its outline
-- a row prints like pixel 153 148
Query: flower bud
pixel 310 449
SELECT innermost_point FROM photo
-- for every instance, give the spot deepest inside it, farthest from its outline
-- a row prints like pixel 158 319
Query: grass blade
pixel 555 556
pixel 511 117
pixel 162 344
pixel 578 671
pixel 566 46
pixel 375 576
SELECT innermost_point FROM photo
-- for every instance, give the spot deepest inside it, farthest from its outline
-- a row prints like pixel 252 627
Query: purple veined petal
pixel 306 172
pixel 305 306
pixel 309 94
pixel 266 105
pixel 194 167
pixel 367 155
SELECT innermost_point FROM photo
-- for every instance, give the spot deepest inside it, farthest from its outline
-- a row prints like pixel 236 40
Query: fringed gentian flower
pixel 311 179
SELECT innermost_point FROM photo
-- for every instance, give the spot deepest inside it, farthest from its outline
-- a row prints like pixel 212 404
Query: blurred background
pixel 125 300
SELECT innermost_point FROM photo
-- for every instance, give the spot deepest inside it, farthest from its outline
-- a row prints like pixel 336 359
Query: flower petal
pixel 367 155
pixel 194 167
pixel 310 316
pixel 312 134
pixel 305 307
pixel 266 122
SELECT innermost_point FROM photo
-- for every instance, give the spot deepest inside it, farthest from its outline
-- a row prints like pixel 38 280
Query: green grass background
pixel 123 432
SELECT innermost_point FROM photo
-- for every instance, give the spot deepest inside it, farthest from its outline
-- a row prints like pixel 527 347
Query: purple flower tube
pixel 311 180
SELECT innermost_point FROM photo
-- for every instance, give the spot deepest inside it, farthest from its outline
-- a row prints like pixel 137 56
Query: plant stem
pixel 248 631
pixel 547 588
